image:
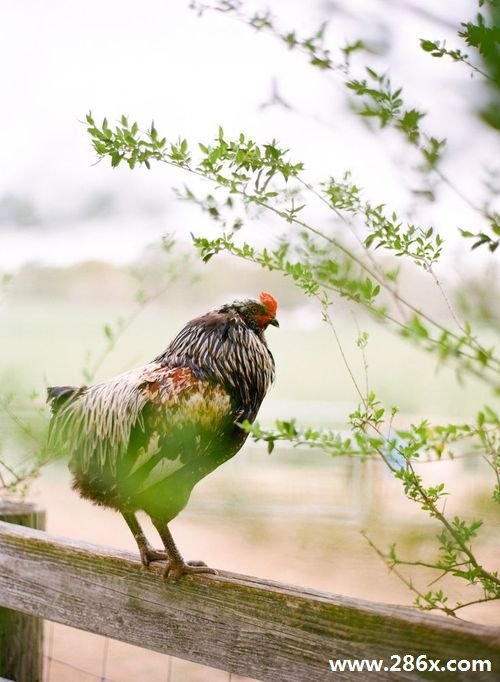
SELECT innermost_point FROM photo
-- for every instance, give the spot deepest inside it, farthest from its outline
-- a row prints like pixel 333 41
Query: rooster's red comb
pixel 270 302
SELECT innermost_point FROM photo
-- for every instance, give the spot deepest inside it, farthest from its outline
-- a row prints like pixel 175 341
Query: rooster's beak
pixel 274 322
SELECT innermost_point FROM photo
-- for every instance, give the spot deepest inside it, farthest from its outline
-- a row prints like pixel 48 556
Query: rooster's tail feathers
pixel 58 396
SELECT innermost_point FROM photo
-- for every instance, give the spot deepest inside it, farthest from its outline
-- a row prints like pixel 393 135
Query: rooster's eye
pixel 253 310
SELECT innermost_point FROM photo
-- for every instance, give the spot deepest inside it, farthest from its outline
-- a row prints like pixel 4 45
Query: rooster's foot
pixel 178 569
pixel 149 554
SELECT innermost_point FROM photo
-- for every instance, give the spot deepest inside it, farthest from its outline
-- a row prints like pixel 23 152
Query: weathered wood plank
pixel 21 635
pixel 257 628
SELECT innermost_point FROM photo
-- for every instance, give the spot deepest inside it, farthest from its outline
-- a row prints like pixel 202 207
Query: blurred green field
pixel 50 342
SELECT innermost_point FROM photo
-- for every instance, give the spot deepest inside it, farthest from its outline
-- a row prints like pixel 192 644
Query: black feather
pixel 58 396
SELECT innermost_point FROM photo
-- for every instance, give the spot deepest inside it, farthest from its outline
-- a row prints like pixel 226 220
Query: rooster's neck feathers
pixel 223 348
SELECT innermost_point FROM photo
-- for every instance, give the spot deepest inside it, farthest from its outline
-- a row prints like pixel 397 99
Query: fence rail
pixel 253 627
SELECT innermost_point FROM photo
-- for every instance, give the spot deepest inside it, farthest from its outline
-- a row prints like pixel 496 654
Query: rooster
pixel 142 440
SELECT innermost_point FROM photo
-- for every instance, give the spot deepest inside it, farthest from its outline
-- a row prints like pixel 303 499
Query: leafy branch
pixel 438 49
pixel 16 479
pixel 378 99
pixel 400 449
pixel 372 433
pixel 245 169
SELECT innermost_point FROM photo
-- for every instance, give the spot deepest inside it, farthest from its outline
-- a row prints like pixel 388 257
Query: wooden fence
pixel 253 627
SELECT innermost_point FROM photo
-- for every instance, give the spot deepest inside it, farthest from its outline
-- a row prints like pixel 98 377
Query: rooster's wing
pixel 131 434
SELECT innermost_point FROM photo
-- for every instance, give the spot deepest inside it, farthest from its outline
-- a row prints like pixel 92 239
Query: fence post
pixel 21 635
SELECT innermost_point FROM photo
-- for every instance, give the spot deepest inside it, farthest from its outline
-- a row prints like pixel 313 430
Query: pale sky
pixel 191 74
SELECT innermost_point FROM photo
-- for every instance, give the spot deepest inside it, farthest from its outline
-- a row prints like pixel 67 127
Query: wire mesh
pixel 72 655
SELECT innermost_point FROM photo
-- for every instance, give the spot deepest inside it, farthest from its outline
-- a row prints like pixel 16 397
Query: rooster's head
pixel 257 314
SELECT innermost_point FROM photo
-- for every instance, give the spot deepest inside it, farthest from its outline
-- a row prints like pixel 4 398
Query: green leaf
pixel 428 45
pixel 369 240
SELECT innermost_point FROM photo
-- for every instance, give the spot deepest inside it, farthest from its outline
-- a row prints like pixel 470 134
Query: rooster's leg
pixel 176 566
pixel 148 553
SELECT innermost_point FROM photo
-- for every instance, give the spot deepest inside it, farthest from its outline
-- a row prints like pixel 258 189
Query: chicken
pixel 142 440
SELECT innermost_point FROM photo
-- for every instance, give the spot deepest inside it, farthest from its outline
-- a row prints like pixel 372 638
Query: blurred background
pixel 88 288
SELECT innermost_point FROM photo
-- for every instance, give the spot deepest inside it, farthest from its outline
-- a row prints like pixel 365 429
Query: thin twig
pixel 403 578
pixel 329 321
